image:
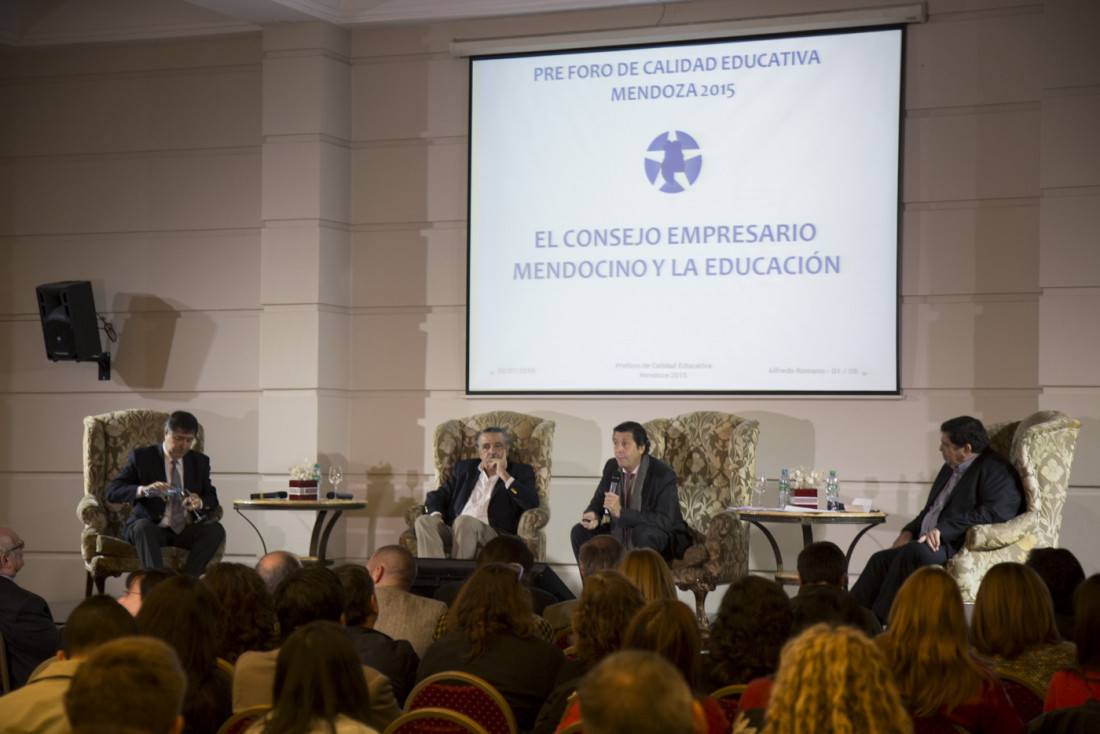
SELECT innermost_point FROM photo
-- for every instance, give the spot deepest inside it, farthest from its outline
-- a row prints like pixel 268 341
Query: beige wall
pixel 276 226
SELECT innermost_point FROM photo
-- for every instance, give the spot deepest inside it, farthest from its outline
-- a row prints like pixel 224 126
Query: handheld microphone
pixel 615 488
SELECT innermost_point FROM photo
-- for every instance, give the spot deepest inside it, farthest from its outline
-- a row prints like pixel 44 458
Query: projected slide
pixel 713 217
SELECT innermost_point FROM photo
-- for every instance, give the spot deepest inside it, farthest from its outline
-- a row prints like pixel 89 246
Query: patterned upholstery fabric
pixel 1041 448
pixel 108 439
pixel 714 456
pixel 467 694
pixel 434 721
pixel 530 441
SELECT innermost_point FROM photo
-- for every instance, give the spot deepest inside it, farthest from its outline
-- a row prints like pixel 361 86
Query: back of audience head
pixel 183 612
pixel 318 676
pixel 139 584
pixel 506 549
pixel 668 628
pixel 308 594
pixel 834 679
pixel 636 692
pixel 275 567
pixel 649 572
pixel 822 563
pixel 752 624
pixel 1012 613
pixel 359 603
pixel 824 603
pixel 1062 573
pixel 603 552
pixel 93 622
pixel 393 565
pixel 1087 623
pixel 492 602
pixel 248 612
pixel 129 685
pixel 608 603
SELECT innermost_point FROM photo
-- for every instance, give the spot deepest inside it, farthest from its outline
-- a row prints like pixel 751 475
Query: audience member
pixel 308 594
pixel 1082 683
pixel 609 601
pixel 637 692
pixel 319 687
pixel 668 628
pixel 401 614
pixel 752 625
pixel 481 499
pixel 834 679
pixel 394 659
pixel 138 585
pixel 1062 573
pixel 976 486
pixel 132 685
pixel 823 575
pixel 39 706
pixel 493 638
pixel 247 610
pixel 926 647
pixel 184 612
pixel 649 572
pixel 30 635
pixel 600 553
pixel 275 567
pixel 503 549
pixel 1012 626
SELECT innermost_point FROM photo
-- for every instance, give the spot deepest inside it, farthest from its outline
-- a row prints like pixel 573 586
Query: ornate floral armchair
pixel 530 441
pixel 108 439
pixel 1041 448
pixel 714 456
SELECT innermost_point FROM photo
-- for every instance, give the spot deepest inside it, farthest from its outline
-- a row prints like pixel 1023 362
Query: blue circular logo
pixel 673 161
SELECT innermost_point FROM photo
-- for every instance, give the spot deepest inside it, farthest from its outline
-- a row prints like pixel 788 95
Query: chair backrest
pixel 714 456
pixel 108 440
pixel 728 697
pixel 1027 699
pixel 936 724
pixel 243 719
pixel 466 694
pixel 577 727
pixel 434 721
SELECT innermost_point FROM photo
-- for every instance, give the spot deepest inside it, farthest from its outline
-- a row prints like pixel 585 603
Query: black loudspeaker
pixel 67 310
pixel 431 573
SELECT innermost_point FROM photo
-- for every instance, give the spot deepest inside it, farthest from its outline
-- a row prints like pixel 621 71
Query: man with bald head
pixel 30 635
pixel 276 566
pixel 401 614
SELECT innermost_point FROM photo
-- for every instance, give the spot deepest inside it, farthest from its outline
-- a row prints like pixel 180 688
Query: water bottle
pixel 832 491
pixel 784 489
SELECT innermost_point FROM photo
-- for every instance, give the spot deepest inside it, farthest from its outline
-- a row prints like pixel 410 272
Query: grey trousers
pixel 465 539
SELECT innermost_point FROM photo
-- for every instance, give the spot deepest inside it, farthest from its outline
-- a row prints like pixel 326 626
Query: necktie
pixel 177 520
pixel 627 486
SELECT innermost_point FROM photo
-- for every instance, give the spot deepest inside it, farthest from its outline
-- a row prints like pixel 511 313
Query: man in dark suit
pixel 644 510
pixel 160 516
pixel 30 635
pixel 976 486
pixel 483 498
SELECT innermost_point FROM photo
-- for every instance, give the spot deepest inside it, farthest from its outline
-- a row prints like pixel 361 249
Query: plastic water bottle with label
pixel 784 489
pixel 832 491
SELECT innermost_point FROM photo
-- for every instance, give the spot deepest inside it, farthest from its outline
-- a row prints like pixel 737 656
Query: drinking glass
pixel 335 476
pixel 759 486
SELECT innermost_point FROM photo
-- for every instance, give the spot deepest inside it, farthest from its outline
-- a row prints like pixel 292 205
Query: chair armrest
pixel 533 520
pixel 412 513
pixel 999 535
pixel 92 514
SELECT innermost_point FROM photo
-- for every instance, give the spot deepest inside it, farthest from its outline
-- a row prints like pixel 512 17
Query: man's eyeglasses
pixel 22 544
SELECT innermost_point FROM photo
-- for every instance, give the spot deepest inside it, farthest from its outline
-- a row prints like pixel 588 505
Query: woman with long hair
pixel 649 572
pixel 247 610
pixel 319 685
pixel 1075 686
pixel 752 625
pixel 185 613
pixel 834 679
pixel 493 637
pixel 927 648
pixel 1013 628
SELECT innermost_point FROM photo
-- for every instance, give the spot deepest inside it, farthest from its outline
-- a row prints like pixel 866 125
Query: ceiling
pixel 34 23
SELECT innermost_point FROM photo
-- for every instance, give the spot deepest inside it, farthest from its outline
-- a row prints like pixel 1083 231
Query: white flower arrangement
pixel 302 471
pixel 803 478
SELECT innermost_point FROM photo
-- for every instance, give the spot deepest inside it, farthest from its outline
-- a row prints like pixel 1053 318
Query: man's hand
pixel 932 540
pixel 904 538
pixel 498 467
pixel 613 503
pixel 192 502
pixel 589 520
pixel 154 489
